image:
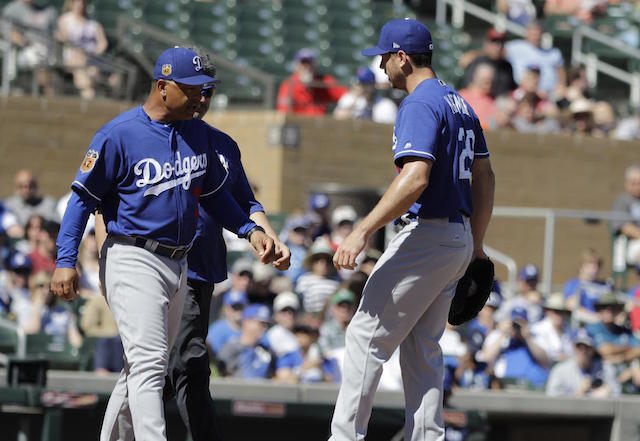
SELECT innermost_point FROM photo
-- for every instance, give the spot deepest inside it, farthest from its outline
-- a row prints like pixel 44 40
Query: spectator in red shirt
pixel 478 93
pixel 307 92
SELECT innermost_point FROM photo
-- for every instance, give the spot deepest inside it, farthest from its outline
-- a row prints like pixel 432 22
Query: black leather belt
pixel 406 219
pixel 154 246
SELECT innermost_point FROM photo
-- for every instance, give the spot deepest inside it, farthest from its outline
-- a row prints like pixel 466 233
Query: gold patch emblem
pixel 166 70
pixel 89 161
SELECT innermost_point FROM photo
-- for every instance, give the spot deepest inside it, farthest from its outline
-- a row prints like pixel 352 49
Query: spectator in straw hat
pixel 553 333
pixel 318 283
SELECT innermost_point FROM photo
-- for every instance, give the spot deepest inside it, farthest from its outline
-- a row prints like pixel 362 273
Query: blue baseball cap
pixel 366 76
pixel 406 35
pixel 519 313
pixel 529 273
pixel 181 65
pixel 19 262
pixel 318 201
pixel 235 298
pixel 257 311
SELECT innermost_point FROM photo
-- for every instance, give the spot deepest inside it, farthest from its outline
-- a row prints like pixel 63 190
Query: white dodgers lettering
pixel 183 171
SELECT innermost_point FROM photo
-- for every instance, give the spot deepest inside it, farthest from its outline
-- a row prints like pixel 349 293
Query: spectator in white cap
pixel 584 374
pixel 553 333
pixel 281 338
pixel 228 326
pixel 343 218
pixel 318 284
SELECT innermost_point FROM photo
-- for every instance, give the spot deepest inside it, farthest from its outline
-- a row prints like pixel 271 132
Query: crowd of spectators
pixel 290 326
pixel 34 30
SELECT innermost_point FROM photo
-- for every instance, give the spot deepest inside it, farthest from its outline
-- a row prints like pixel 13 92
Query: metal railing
pixel 550 215
pixel 166 39
pixel 591 61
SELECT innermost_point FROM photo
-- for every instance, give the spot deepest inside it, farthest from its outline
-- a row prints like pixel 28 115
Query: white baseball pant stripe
pixel 405 303
pixel 146 294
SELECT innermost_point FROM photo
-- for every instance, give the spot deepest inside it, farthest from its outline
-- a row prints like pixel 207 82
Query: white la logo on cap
pixel 396 45
pixel 197 62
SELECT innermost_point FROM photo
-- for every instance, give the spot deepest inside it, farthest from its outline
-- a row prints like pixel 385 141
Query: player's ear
pixel 161 86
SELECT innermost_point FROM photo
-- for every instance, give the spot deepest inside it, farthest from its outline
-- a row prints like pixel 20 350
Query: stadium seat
pixel 56 349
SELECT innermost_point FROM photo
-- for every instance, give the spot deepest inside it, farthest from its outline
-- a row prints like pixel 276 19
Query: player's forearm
pixel 260 218
pixel 396 201
pixel 482 189
pixel 73 225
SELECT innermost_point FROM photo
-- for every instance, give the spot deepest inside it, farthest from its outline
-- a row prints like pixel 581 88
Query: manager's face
pixel 181 100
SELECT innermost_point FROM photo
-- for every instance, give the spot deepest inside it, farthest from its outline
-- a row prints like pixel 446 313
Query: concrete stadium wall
pixel 533 171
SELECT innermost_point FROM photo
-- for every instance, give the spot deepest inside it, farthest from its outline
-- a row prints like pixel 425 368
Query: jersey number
pixel 468 140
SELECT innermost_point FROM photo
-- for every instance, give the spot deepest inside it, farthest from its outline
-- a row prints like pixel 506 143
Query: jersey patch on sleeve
pixel 89 161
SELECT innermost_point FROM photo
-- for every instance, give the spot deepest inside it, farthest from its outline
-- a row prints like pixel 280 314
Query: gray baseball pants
pixel 146 293
pixel 405 303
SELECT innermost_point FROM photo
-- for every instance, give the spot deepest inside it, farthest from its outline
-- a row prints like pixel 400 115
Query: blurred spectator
pixel 281 339
pixel 485 320
pixel 613 342
pixel 44 256
pixel 604 119
pixel 553 333
pixel 629 203
pixel 584 374
pixel 581 117
pixel 530 84
pixel 311 370
pixel 628 129
pixel 506 108
pixel 97 321
pixel 471 373
pixel 318 215
pixel 306 92
pixel 526 296
pixel 332 332
pixel 362 101
pixel 89 265
pixel 523 53
pixel 583 292
pixel 16 296
pixel 343 218
pixel 492 53
pixel 49 316
pixel 248 355
pixel 478 93
pixel 369 259
pixel 295 235
pixel 577 83
pixel 31 237
pixel 26 199
pixel 82 38
pixel 30 29
pixel 529 119
pixel 318 284
pixel 522 12
pixel 9 223
pixel 583 10
pixel 513 353
pixel 228 325
pixel 259 290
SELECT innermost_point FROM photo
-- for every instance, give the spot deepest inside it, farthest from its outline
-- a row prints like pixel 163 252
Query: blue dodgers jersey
pixel 435 123
pixel 149 176
pixel 207 259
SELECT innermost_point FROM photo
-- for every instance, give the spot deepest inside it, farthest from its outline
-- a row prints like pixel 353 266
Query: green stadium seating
pixel 56 349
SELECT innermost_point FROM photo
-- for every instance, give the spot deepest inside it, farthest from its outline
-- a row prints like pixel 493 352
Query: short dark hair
pixel 421 60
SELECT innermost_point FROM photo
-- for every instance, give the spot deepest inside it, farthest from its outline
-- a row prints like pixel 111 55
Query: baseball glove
pixel 472 291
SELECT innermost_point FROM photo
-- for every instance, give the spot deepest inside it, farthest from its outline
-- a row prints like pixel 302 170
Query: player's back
pixel 435 122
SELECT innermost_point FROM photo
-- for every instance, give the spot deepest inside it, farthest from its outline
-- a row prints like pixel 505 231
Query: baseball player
pixel 438 147
pixel 150 169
